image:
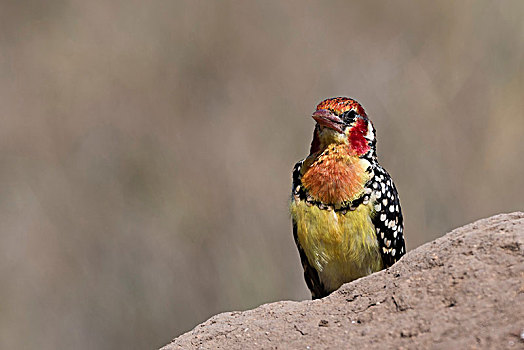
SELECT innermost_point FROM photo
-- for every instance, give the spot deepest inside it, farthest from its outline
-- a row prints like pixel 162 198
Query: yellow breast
pixel 341 247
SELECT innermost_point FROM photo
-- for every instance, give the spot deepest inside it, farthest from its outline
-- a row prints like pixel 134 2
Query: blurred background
pixel 146 147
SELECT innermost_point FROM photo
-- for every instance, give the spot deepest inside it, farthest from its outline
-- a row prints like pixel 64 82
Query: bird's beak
pixel 328 119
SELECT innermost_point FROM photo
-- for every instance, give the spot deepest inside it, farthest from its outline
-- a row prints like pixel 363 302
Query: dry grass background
pixel 146 147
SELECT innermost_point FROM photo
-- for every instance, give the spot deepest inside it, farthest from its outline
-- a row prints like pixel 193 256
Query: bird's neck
pixel 334 174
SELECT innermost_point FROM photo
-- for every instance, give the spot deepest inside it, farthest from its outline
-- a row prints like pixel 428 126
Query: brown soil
pixel 462 291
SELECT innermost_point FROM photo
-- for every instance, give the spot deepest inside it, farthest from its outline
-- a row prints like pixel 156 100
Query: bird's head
pixel 341 120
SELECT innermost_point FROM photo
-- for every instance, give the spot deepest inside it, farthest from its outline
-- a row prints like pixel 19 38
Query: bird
pixel 345 209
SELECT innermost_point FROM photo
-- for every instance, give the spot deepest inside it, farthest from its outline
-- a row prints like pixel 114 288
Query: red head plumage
pixel 345 116
pixel 339 105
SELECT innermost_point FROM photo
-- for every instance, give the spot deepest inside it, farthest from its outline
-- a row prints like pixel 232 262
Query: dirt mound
pixel 463 290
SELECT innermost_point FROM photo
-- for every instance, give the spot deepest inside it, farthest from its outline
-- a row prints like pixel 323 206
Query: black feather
pixel 388 220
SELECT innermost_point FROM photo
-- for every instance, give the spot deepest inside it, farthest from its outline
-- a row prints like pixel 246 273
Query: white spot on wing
pixel 370 135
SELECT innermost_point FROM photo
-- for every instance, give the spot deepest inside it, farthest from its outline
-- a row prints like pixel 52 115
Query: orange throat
pixel 334 176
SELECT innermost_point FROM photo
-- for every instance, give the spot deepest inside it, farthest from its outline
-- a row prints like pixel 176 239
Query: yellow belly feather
pixel 341 247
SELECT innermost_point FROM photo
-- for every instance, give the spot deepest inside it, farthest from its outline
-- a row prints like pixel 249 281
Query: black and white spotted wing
pixel 388 217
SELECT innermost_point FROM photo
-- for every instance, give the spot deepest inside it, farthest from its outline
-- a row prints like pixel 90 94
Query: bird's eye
pixel 348 116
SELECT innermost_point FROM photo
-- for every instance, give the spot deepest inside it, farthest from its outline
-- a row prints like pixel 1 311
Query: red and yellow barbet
pixel 347 220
